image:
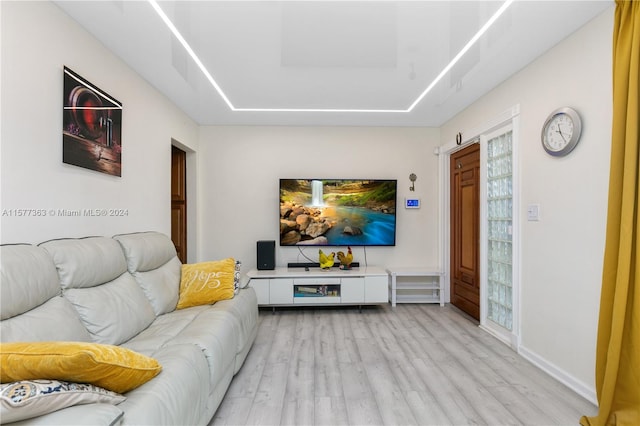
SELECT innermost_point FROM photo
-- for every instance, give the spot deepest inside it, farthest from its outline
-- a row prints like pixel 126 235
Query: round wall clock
pixel 561 131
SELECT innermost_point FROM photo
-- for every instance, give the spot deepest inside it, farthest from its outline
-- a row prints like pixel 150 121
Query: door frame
pixel 192 200
pixel 473 135
pixel 179 177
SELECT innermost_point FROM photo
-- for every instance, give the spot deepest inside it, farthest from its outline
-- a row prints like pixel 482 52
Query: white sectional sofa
pixel 123 291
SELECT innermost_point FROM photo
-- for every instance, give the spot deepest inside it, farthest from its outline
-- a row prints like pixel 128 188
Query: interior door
pixel 465 229
pixel 179 202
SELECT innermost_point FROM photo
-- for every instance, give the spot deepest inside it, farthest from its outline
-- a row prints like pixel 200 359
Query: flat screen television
pixel 338 212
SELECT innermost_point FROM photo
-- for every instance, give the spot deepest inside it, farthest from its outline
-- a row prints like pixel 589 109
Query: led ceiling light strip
pixel 190 51
pixel 216 86
pixel 464 50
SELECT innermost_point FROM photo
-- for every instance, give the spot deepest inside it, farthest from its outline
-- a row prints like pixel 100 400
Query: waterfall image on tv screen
pixel 338 212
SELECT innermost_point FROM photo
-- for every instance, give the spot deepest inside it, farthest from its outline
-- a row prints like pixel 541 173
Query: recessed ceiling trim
pixel 190 51
pixel 218 89
pixel 318 110
pixel 464 50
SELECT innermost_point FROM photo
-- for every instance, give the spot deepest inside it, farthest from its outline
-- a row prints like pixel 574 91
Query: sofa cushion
pixel 28 277
pixel 217 340
pixel 213 334
pixel 111 367
pixel 152 260
pixel 145 251
pixel 56 319
pixel 86 262
pixel 163 330
pixel 113 312
pixel 206 282
pixel 160 285
pixel 178 396
pixel 31 398
pixel 243 309
pixel 30 299
pixel 94 278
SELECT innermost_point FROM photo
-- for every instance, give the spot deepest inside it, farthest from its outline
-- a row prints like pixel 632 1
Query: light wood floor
pixel 409 365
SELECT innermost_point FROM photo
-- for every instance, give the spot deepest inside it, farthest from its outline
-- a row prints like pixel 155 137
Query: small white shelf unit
pixel 300 287
pixel 415 285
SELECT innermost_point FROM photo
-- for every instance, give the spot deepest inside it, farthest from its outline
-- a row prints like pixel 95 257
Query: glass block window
pixel 499 230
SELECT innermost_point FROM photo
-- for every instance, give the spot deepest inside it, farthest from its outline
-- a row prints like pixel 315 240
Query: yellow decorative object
pixel 345 260
pixel 206 282
pixel 326 261
pixel 111 367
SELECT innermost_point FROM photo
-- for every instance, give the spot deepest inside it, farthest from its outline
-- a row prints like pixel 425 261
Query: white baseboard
pixel 562 376
pixel 508 339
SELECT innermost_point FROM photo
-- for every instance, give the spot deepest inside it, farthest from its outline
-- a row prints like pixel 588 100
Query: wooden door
pixel 179 202
pixel 465 230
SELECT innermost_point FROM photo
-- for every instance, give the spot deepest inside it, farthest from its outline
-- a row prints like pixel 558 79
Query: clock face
pixel 558 132
pixel 561 132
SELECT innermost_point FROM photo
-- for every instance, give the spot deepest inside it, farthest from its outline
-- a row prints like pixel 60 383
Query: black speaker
pixel 266 250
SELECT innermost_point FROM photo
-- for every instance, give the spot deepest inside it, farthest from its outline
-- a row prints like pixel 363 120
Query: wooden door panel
pixel 179 202
pixel 468 175
pixel 465 230
pixel 177 227
pixel 467 292
pixel 178 174
pixel 468 278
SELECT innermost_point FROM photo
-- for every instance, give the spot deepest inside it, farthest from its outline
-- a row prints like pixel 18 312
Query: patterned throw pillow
pixel 236 277
pixel 206 282
pixel 31 398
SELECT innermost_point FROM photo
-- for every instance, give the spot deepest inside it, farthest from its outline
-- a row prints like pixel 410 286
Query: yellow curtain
pixel 618 346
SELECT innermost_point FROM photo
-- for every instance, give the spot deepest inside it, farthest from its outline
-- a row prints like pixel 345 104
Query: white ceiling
pixel 328 55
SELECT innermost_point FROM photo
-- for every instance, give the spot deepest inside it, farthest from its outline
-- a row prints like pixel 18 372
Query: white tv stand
pixel 313 287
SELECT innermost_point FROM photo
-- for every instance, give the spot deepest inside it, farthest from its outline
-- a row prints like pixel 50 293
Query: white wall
pixel 240 168
pixel 38 39
pixel 562 253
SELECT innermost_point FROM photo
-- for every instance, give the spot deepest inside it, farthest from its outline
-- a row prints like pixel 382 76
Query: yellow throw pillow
pixel 111 367
pixel 206 282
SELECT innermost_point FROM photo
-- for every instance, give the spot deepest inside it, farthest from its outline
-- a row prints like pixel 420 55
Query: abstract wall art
pixel 92 126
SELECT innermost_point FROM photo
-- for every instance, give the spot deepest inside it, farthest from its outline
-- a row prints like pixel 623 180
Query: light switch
pixel 533 212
